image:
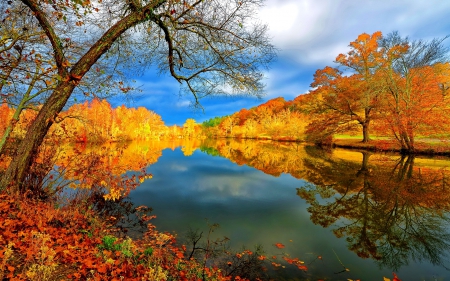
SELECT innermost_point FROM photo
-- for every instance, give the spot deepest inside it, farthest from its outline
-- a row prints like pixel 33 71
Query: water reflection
pixel 117 167
pixel 389 209
pixel 386 208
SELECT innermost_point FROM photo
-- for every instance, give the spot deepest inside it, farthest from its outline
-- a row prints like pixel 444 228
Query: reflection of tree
pixel 271 158
pixel 391 212
pixel 189 146
pixel 117 167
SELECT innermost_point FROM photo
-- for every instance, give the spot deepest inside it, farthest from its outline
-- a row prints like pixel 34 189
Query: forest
pixel 60 62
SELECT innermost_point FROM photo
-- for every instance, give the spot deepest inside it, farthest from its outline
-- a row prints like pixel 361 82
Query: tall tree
pixel 416 86
pixel 355 97
pixel 203 44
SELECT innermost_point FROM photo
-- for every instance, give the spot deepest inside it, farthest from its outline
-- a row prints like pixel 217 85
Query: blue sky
pixel 309 35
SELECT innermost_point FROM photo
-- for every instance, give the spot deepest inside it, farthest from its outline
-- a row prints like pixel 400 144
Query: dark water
pixel 372 214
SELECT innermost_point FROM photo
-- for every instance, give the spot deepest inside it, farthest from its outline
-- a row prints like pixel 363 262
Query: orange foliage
pixel 99 122
pixel 38 241
pixel 275 119
pixel 5 117
pixel 75 242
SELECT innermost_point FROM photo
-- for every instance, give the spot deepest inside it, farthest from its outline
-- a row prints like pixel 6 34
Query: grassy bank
pixel 423 146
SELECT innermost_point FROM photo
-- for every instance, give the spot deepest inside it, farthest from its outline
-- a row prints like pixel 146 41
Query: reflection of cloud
pixel 223 187
pixel 178 168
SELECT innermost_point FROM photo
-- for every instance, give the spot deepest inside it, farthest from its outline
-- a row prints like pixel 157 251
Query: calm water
pixel 371 214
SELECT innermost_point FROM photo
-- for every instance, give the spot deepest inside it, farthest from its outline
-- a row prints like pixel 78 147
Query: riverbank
pixel 423 146
pixel 76 239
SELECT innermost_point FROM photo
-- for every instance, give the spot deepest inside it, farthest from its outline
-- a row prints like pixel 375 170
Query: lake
pixel 372 214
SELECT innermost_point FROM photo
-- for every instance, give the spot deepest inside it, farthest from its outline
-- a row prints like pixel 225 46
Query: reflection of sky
pixel 252 208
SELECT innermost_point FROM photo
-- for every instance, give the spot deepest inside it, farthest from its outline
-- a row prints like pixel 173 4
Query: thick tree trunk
pixel 18 168
pixel 365 129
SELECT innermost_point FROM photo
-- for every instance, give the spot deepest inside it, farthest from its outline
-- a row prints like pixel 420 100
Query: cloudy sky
pixel 309 35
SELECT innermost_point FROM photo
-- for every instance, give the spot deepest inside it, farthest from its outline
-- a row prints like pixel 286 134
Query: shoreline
pixel 390 146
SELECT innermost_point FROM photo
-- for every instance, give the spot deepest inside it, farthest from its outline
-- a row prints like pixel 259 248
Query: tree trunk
pixel 365 129
pixel 18 168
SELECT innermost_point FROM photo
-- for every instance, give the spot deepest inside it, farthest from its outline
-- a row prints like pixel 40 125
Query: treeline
pixel 385 85
pixel 96 122
pixel 276 119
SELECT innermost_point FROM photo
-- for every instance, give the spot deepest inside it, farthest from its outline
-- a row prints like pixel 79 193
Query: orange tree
pixel 202 44
pixel 415 79
pixel 351 99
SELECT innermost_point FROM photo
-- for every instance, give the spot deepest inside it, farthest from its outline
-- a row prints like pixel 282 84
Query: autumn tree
pixel 415 78
pixel 204 45
pixel 353 97
pixel 5 113
pixel 98 122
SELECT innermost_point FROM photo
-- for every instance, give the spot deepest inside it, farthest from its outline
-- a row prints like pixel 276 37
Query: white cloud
pixel 316 31
pixel 183 103
pixel 280 18
pixel 281 83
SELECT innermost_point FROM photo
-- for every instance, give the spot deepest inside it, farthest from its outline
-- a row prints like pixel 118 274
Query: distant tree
pixel 212 122
pixel 189 127
pixel 228 124
pixel 211 47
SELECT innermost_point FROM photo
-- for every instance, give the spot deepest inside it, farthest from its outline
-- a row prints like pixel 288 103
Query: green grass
pixel 359 137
